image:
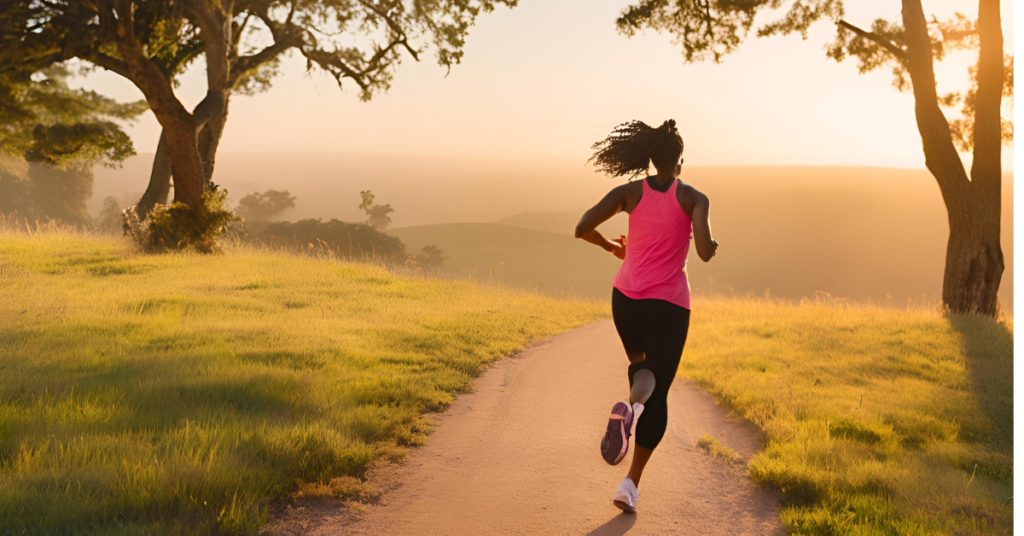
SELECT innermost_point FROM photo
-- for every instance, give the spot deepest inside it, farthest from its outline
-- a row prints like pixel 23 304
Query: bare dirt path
pixel 520 455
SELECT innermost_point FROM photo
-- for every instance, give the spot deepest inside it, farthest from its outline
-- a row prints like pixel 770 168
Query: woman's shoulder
pixel 689 192
pixel 629 194
pixel 690 197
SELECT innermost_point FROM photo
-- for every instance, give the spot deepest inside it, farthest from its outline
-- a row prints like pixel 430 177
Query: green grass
pixel 878 421
pixel 184 394
pixel 713 447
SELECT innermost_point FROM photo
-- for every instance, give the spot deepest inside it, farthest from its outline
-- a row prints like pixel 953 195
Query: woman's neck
pixel 664 178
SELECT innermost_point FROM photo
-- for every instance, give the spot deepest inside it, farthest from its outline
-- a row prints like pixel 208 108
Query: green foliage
pixel 362 42
pixel 180 227
pixel 338 238
pixel 45 121
pixel 61 133
pixel 185 394
pixel 265 206
pixel 711 29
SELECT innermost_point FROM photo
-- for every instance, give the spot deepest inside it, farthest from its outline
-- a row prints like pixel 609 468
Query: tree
pixel 265 206
pixel 430 258
pixel 150 43
pixel 710 29
pixel 110 219
pixel 377 214
pixel 60 133
pixel 356 241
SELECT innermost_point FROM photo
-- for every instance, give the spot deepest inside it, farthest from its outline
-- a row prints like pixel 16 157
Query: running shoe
pixel 615 443
pixel 626 496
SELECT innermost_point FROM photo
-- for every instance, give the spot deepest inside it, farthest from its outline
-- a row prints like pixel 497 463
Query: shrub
pixel 111 218
pixel 179 226
pixel 265 206
pixel 429 258
pixel 343 239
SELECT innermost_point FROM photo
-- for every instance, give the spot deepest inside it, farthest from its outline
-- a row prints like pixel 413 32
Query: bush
pixel 179 227
pixel 265 206
pixel 111 218
pixel 344 239
pixel 429 258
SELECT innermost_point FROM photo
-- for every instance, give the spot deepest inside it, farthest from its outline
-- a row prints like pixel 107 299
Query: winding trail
pixel 520 455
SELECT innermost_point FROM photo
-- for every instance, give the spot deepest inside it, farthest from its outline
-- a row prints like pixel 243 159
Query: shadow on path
pixel 988 346
pixel 616 526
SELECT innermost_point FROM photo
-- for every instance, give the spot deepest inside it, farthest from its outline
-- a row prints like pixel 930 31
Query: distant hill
pixel 876 235
pixel 562 222
pixel 552 263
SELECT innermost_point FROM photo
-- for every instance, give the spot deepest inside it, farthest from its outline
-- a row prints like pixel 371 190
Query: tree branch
pixel 245 64
pixel 875 38
pixel 395 27
pixel 108 62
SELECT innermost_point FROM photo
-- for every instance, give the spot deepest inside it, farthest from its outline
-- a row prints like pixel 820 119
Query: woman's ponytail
pixel 631 147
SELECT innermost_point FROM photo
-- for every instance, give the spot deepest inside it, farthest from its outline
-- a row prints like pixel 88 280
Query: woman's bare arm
pixel 603 211
pixel 706 246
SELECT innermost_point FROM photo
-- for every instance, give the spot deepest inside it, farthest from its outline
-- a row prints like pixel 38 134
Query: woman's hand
pixel 618 247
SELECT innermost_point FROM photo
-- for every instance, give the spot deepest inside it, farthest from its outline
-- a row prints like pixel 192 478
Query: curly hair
pixel 632 147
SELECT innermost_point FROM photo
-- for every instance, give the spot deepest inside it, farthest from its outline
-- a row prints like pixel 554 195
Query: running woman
pixel 651 294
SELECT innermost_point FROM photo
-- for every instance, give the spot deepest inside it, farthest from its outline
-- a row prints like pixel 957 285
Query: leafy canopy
pixel 712 29
pixel 42 120
pixel 359 40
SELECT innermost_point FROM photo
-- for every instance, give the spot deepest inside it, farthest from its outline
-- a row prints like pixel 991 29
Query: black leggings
pixel 656 329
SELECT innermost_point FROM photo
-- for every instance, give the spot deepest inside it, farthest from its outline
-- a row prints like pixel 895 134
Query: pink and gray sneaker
pixel 615 443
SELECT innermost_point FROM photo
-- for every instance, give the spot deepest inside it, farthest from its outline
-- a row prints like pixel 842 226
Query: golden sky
pixel 550 77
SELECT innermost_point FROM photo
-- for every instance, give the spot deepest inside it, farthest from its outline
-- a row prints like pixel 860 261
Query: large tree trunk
pixel 986 170
pixel 214 112
pixel 974 264
pixel 974 259
pixel 159 180
pixel 183 148
pixel 178 124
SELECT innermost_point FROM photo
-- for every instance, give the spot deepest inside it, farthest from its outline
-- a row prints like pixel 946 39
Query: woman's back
pixel 658 242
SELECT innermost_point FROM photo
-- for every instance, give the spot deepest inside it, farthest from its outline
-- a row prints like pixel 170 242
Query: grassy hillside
pixel 183 394
pixel 878 421
pixel 555 264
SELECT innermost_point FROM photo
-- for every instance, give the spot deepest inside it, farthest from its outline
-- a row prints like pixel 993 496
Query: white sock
pixel 638 408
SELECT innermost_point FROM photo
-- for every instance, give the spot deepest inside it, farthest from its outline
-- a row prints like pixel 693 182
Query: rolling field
pixel 184 394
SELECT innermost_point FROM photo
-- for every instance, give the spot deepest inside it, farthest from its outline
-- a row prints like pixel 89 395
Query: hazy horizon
pixel 856 232
pixel 551 78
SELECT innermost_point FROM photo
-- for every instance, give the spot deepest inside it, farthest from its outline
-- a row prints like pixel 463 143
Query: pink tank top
pixel 656 248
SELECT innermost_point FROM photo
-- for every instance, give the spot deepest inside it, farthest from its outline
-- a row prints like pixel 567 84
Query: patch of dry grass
pixel 878 420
